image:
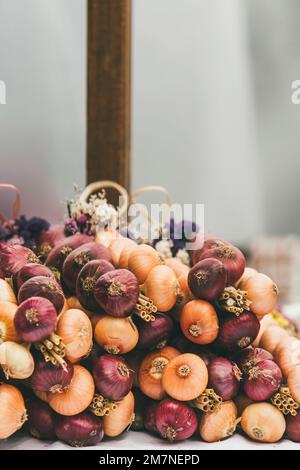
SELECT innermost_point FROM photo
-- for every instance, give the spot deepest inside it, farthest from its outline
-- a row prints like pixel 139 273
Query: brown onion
pixel 207 279
pixel 116 335
pixel 117 292
pixel 112 377
pixel 12 411
pixel 78 258
pixel 262 292
pixel 35 319
pixel 86 282
pixel 199 322
pixel 220 424
pixel 263 422
pixel 81 430
pixel 41 286
pixel 122 417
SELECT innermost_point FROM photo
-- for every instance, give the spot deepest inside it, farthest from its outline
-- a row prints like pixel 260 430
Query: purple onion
pixel 31 270
pixel 293 427
pixel 59 253
pixel 250 357
pixel 175 420
pixel 49 378
pixel 49 239
pixel 113 379
pixel 78 258
pixel 207 279
pixel 149 417
pixel 41 420
pixel 232 259
pixel 86 282
pixel 117 292
pixel 154 334
pixel 13 258
pixel 41 286
pixel 236 333
pixel 35 319
pixel 81 430
pixel 262 382
pixel 224 377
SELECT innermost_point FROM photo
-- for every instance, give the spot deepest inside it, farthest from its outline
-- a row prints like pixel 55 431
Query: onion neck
pixel 202 278
pixel 112 349
pixel 82 259
pixel 88 283
pixel 31 316
pixel 157 367
pixel 257 433
pixel 244 342
pixel 123 370
pixel 114 288
pixel 226 252
pixel 195 329
pixel 170 433
pixel 184 371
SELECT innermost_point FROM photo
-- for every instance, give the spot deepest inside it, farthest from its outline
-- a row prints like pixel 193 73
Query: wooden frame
pixel 109 91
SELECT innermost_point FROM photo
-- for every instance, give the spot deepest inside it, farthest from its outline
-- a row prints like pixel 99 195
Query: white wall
pixel 42 126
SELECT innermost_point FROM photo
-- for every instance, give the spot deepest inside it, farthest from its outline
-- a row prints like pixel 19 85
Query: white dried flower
pixel 183 256
pixel 164 248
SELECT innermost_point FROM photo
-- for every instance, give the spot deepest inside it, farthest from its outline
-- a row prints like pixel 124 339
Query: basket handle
pixel 150 189
pixel 99 185
pixel 17 203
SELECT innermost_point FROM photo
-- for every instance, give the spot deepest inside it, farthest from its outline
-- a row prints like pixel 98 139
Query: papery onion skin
pixel 51 378
pixel 224 377
pixel 293 427
pixel 6 292
pixel 262 292
pixel 59 253
pixel 293 381
pixel 41 286
pixel 199 322
pixel 86 282
pixel 16 361
pixel 50 238
pixel 13 258
pixel 41 420
pixel 141 260
pixel 7 326
pixel 117 292
pixel 31 270
pixel 78 258
pixel 121 419
pixel 262 381
pixel 208 243
pixel 149 417
pixel 220 424
pixel 263 422
pixel 116 335
pixel 81 430
pixel 232 259
pixel 162 287
pixel 154 334
pixel 175 420
pixel 272 337
pixel 118 246
pixel 35 319
pixel 250 357
pixel 287 355
pixel 237 333
pixel 112 377
pixel 207 279
pixel 12 410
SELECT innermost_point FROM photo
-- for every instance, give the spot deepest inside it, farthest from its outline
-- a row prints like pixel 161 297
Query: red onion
pixel 32 270
pixel 117 292
pixel 50 378
pixel 13 258
pixel 78 258
pixel 81 430
pixel 59 253
pixel 41 420
pixel 224 377
pixel 49 239
pixel 232 259
pixel 207 279
pixel 262 381
pixel 293 427
pixel 154 334
pixel 87 279
pixel 150 416
pixel 175 420
pixel 209 243
pixel 41 286
pixel 112 377
pixel 35 319
pixel 250 357
pixel 237 332
pixel 140 402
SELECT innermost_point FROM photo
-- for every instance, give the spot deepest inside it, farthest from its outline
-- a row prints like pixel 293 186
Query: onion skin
pixel 162 287
pixel 294 383
pixel 112 377
pixel 175 421
pixel 250 357
pixel 293 427
pixel 121 419
pixel 116 335
pixel 13 258
pixel 59 253
pixel 237 333
pixel 12 411
pixel 207 279
pixel 78 258
pixel 118 246
pixel 154 334
pixel 81 430
pixel 208 243
pixel 35 319
pixel 262 381
pixel 224 377
pixel 16 361
pixel 41 286
pixel 41 420
pixel 6 292
pixel 263 422
pixel 149 417
pixel 49 378
pixel 141 260
pixel 199 322
pixel 7 325
pixel 49 239
pixel 262 292
pixel 117 292
pixel 75 329
pixel 86 282
pixel 31 270
pixel 232 259
pixel 219 424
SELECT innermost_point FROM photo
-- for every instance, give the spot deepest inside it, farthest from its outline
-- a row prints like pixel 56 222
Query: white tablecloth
pixel 143 441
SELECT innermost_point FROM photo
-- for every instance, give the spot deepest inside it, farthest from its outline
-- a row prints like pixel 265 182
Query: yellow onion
pixel 287 354
pixel 75 329
pixel 162 287
pixel 16 361
pixel 116 335
pixel 263 422
pixel 7 326
pixel 271 338
pixel 12 410
pixel 262 292
pixel 121 418
pixel 6 292
pixel 117 247
pixel 106 236
pixel 141 260
pixel 266 322
pixel 294 382
pixel 220 424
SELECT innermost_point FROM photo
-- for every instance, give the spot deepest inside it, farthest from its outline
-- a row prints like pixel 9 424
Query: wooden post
pixel 109 91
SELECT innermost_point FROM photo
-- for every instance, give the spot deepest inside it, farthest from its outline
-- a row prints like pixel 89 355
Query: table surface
pixel 143 441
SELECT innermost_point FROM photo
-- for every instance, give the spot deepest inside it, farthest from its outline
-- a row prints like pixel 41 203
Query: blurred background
pixel 213 119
